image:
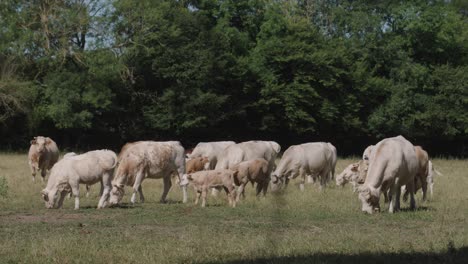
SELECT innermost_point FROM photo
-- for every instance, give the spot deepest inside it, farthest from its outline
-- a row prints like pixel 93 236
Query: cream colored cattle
pixel 204 180
pixel 254 171
pixel 43 154
pixel 88 168
pixel 148 159
pixel 313 159
pixel 393 163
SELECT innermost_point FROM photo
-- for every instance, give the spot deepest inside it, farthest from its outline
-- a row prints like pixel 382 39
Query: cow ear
pixel 33 141
pixel 48 140
pixel 45 195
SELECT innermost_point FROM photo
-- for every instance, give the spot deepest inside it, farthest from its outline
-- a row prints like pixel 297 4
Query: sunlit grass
pixel 302 227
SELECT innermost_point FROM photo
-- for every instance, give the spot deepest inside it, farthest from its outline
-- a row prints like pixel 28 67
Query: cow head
pixel 116 194
pixel 41 143
pixel 50 198
pixel 351 172
pixel 276 181
pixel 370 199
pixel 184 180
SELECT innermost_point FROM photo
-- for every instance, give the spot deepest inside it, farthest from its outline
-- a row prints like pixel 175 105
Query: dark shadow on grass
pixel 451 255
pixel 125 206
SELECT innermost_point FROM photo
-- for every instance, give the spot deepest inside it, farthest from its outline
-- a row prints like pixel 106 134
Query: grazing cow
pixel 210 150
pixel 197 164
pixel 148 159
pixel 349 174
pixel 393 163
pixel 87 168
pixel 43 154
pixel 203 180
pixel 254 171
pixel 314 159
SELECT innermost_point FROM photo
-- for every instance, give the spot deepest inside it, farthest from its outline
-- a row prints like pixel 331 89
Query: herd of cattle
pixel 391 166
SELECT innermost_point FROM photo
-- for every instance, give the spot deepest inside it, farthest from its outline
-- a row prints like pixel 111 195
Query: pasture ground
pixel 308 227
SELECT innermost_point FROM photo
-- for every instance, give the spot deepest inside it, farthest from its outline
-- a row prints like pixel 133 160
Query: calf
pixel 43 154
pixel 254 171
pixel 204 180
pixel 350 174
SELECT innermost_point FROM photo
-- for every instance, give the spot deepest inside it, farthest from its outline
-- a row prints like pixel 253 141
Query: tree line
pixel 99 73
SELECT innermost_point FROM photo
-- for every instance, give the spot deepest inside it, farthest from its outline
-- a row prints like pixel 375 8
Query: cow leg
pixel 392 195
pixel 167 186
pixel 101 191
pixel 259 188
pixel 266 183
pixel 203 195
pixel 104 196
pixel 302 178
pixel 228 195
pixel 63 194
pixel 107 179
pixel 197 196
pixel 76 193
pixel 231 195
pixel 142 197
pixel 33 172
pixel 424 189
pixel 310 179
pixel 431 188
pixel 87 190
pixel 43 174
pixel 411 188
pixel 137 184
pixel 240 191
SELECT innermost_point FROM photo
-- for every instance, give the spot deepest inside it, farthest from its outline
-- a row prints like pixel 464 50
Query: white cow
pixel 393 163
pixel 313 159
pixel 148 159
pixel 88 168
pixel 210 150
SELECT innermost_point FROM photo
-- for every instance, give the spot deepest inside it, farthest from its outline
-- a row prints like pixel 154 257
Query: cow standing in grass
pixel 313 159
pixel 148 159
pixel 204 180
pixel 254 171
pixel 393 163
pixel 43 154
pixel 88 168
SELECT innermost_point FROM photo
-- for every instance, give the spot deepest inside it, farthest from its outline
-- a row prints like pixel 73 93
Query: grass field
pixel 308 227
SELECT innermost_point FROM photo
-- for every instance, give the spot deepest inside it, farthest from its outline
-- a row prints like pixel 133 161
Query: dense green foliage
pixel 98 73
